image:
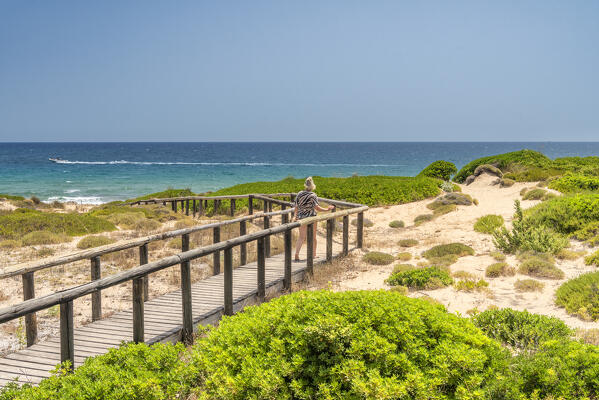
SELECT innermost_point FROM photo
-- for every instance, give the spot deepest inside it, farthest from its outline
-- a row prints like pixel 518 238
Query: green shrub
pixel 146 225
pixel 9 244
pixel 507 182
pixel 463 275
pixel 446 209
pixel 441 250
pixel 10 197
pixel 521 329
pixel 565 254
pixel 421 219
pixel 421 278
pixel 44 237
pixel 489 169
pixel 443 261
pixel 592 259
pixel 540 268
pixel 518 160
pixel 528 235
pixel 404 291
pixel 470 285
pixel 377 258
pixel 439 169
pixel 168 193
pixel 534 194
pixel 528 285
pixel 44 252
pixel 458 199
pixel 397 224
pixel 497 255
pixel 94 241
pixel 580 296
pixel 408 242
pixel 402 267
pixel 499 269
pixel 404 256
pixel 566 214
pixel 575 183
pixel 126 220
pixel 488 223
pixel 589 233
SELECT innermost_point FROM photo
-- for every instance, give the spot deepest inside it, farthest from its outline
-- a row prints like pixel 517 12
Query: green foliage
pixel 535 194
pixel 402 267
pixel 44 237
pixel 592 259
pixel 528 235
pixel 541 268
pixel 165 194
pixel 439 169
pixel 488 223
pixel 443 261
pixel 521 329
pixel 10 197
pixel 21 222
pixel 499 269
pixel 507 162
pixel 378 258
pixel 458 199
pixel 9 244
pixel 565 254
pixel 94 241
pixel 470 285
pixel 575 183
pixel 44 252
pixel 119 214
pixel 445 209
pixel 404 256
pixel 489 169
pixel 408 242
pixel 458 249
pixel 497 255
pixel 528 285
pixel 566 214
pixel 396 224
pixel 421 219
pixel 580 296
pixel 421 278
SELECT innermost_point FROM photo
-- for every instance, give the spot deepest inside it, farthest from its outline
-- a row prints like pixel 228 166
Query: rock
pixel 489 169
pixel 496 182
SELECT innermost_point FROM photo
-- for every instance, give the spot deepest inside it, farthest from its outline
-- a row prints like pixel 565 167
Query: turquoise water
pixel 101 172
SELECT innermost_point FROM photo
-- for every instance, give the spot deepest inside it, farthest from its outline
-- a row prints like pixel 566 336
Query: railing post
pixel 187 332
pixel 30 319
pixel 360 234
pixel 310 248
pixel 261 270
pixel 267 238
pixel 194 207
pixel 143 259
pixel 265 206
pixel 96 273
pixel 232 207
pixel 284 217
pixel 138 310
pixel 200 208
pixel 174 205
pixel 164 203
pixel 243 253
pixel 228 281
pixel 287 240
pixel 250 204
pixel 345 235
pixel 216 255
pixel 330 228
pixel 67 339
pixel 187 207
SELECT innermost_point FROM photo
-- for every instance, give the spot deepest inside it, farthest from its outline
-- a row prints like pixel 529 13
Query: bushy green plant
pixel 540 268
pixel 439 169
pixel 408 242
pixel 9 244
pixel 534 194
pixel 528 285
pixel 588 233
pixel 517 160
pixel 497 255
pixel 565 254
pixel 575 183
pixel 94 241
pixel 580 296
pixel 458 249
pixel 499 269
pixel 592 259
pixel 470 285
pixel 458 199
pixel 463 275
pixel 521 329
pixel 43 237
pixel 402 267
pixel 396 224
pixel 489 169
pixel 526 235
pixel 421 219
pixel 488 223
pixel 378 258
pixel 421 278
pixel 445 209
pixel 566 214
pixel 404 256
pixel 10 197
pixel 165 194
pixel 443 261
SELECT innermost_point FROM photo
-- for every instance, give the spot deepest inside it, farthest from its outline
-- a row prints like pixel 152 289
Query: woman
pixel 306 205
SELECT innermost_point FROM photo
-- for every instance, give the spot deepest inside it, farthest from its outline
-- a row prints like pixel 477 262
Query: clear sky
pixel 302 70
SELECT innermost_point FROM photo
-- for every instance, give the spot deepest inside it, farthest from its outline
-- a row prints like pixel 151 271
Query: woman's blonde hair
pixel 309 184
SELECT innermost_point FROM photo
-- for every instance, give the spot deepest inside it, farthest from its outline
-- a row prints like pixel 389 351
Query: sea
pixel 95 173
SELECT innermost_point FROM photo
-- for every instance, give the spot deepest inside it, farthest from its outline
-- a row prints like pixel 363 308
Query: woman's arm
pixel 319 208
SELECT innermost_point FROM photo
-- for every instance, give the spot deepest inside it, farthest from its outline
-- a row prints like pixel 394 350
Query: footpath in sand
pixel 457 226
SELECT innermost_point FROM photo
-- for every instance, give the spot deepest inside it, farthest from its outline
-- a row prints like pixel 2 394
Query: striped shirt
pixel 305 202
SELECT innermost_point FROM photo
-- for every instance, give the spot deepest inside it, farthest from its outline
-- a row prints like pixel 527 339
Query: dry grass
pixel 528 285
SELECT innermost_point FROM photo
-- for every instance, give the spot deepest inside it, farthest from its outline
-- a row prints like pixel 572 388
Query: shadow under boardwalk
pixel 162 320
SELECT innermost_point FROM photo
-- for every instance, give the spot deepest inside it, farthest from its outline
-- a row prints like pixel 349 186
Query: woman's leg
pixel 314 243
pixel 300 240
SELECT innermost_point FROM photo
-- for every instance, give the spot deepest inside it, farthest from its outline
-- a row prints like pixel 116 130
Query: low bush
pixel 440 170
pixel 5 196
pixel 94 241
pixel 470 285
pixel 404 256
pixel 507 182
pixel 9 244
pixel 421 219
pixel 497 255
pixel 402 268
pixel 378 258
pixel 535 194
pixel 146 225
pixel 185 223
pixel 441 250
pixel 463 275
pixel 421 278
pixel 404 291
pixel 408 242
pixel 521 329
pixel 540 268
pixel 443 261
pixel 126 220
pixel 566 214
pixel 575 183
pixel 588 233
pixel 44 252
pixel 592 259
pixel 168 193
pixel 43 237
pixel 488 223
pixel 580 296
pixel 396 224
pixel 446 209
pixel 488 169
pixel 458 199
pixel 565 254
pixel 528 285
pixel 499 269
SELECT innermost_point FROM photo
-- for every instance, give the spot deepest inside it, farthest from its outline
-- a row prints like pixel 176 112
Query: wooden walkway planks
pixel 162 320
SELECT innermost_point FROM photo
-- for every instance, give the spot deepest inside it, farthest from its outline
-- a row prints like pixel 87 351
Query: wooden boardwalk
pixel 162 319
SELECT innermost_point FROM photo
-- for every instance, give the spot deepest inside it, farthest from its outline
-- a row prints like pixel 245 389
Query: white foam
pixel 247 164
pixel 79 200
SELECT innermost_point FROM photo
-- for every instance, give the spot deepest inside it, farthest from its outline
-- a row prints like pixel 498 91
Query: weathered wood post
pixel 330 228
pixel 267 238
pixel 194 207
pixel 216 206
pixel 310 248
pixel 261 270
pixel 287 241
pixel 360 233
pixel 250 204
pixel 232 207
pixel 216 255
pixel 96 273
pixel 143 259
pixel 284 217
pixel 187 331
pixel 30 319
pixel 345 235
pixel 243 254
pixel 67 338
pixel 200 208
pixel 265 206
pixel 187 207
pixel 228 280
pixel 138 310
pixel 174 205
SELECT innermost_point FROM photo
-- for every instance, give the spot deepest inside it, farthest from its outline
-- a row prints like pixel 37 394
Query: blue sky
pixel 304 70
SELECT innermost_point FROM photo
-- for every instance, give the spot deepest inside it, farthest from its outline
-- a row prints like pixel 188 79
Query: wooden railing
pixel 139 275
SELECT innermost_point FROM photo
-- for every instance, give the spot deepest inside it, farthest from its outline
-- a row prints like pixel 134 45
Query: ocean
pixel 101 172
